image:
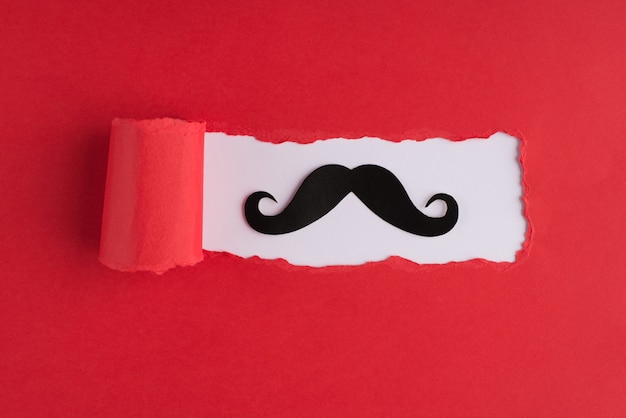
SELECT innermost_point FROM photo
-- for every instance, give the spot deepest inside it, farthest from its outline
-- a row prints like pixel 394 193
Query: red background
pixel 235 337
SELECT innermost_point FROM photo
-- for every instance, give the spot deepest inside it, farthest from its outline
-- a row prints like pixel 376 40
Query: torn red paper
pixel 152 218
pixel 155 218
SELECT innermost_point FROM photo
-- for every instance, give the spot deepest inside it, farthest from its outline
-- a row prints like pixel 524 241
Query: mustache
pixel 378 188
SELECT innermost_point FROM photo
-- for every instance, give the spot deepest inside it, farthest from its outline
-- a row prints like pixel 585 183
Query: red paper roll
pixel 152 218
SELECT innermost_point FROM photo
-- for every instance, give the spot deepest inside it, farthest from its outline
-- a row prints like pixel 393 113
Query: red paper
pixel 236 337
pixel 152 216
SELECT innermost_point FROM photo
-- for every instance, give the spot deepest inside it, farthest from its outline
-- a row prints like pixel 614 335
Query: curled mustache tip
pixel 256 197
pixel 451 204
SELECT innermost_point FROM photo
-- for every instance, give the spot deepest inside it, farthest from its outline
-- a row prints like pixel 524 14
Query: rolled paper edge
pixel 152 214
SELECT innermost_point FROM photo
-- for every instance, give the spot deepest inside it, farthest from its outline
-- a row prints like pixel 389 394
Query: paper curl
pixel 152 217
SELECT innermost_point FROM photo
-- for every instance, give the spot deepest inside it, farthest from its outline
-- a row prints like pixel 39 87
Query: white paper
pixel 483 175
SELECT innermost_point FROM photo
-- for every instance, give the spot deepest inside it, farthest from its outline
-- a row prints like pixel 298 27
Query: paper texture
pixel 152 217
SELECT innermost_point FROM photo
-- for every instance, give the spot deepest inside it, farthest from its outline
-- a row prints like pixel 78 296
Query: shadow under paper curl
pixel 91 166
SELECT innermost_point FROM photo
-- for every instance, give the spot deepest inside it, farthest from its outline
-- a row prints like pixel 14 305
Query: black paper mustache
pixel 375 186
